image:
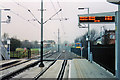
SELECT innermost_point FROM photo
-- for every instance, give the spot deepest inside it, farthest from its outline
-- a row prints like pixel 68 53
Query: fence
pixel 105 56
pixel 22 54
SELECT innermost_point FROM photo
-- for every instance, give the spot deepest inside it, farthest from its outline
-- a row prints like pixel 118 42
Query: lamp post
pixel 1 21
pixel 88 34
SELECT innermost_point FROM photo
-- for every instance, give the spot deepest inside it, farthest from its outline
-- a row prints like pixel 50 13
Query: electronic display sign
pixel 96 19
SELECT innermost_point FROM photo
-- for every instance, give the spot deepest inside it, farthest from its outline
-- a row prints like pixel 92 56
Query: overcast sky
pixel 69 29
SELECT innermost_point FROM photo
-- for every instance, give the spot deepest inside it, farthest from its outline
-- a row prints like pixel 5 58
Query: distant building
pixel 48 43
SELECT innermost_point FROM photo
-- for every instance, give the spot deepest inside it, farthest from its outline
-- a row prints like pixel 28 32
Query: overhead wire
pixel 35 17
pixel 20 4
pixel 52 16
pixel 58 15
pixel 31 14
pixel 59 7
pixel 22 17
pixel 28 11
pixel 55 8
pixel 58 4
pixel 61 12
pixel 18 15
pixel 53 5
pixel 61 16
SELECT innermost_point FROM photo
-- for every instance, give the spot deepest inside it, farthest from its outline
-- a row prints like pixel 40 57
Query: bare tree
pixel 5 36
pixel 93 36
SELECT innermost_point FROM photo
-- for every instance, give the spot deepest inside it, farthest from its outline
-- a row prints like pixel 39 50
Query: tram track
pixel 18 62
pixel 16 72
pixel 9 63
pixel 61 73
pixel 43 71
pixel 14 64
pixel 20 70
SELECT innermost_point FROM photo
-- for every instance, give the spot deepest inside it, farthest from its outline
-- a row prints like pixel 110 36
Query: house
pixel 106 39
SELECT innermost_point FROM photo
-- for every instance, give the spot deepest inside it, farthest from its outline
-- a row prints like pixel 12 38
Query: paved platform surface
pixel 54 70
pixel 82 68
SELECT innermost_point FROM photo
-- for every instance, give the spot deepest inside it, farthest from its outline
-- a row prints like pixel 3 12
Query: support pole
pixel 88 39
pixel 0 37
pixel 41 64
pixel 117 44
pixel 81 52
pixel 0 25
pixel 58 41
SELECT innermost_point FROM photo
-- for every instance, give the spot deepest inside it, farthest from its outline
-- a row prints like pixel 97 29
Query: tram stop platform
pixel 78 69
pixel 82 68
